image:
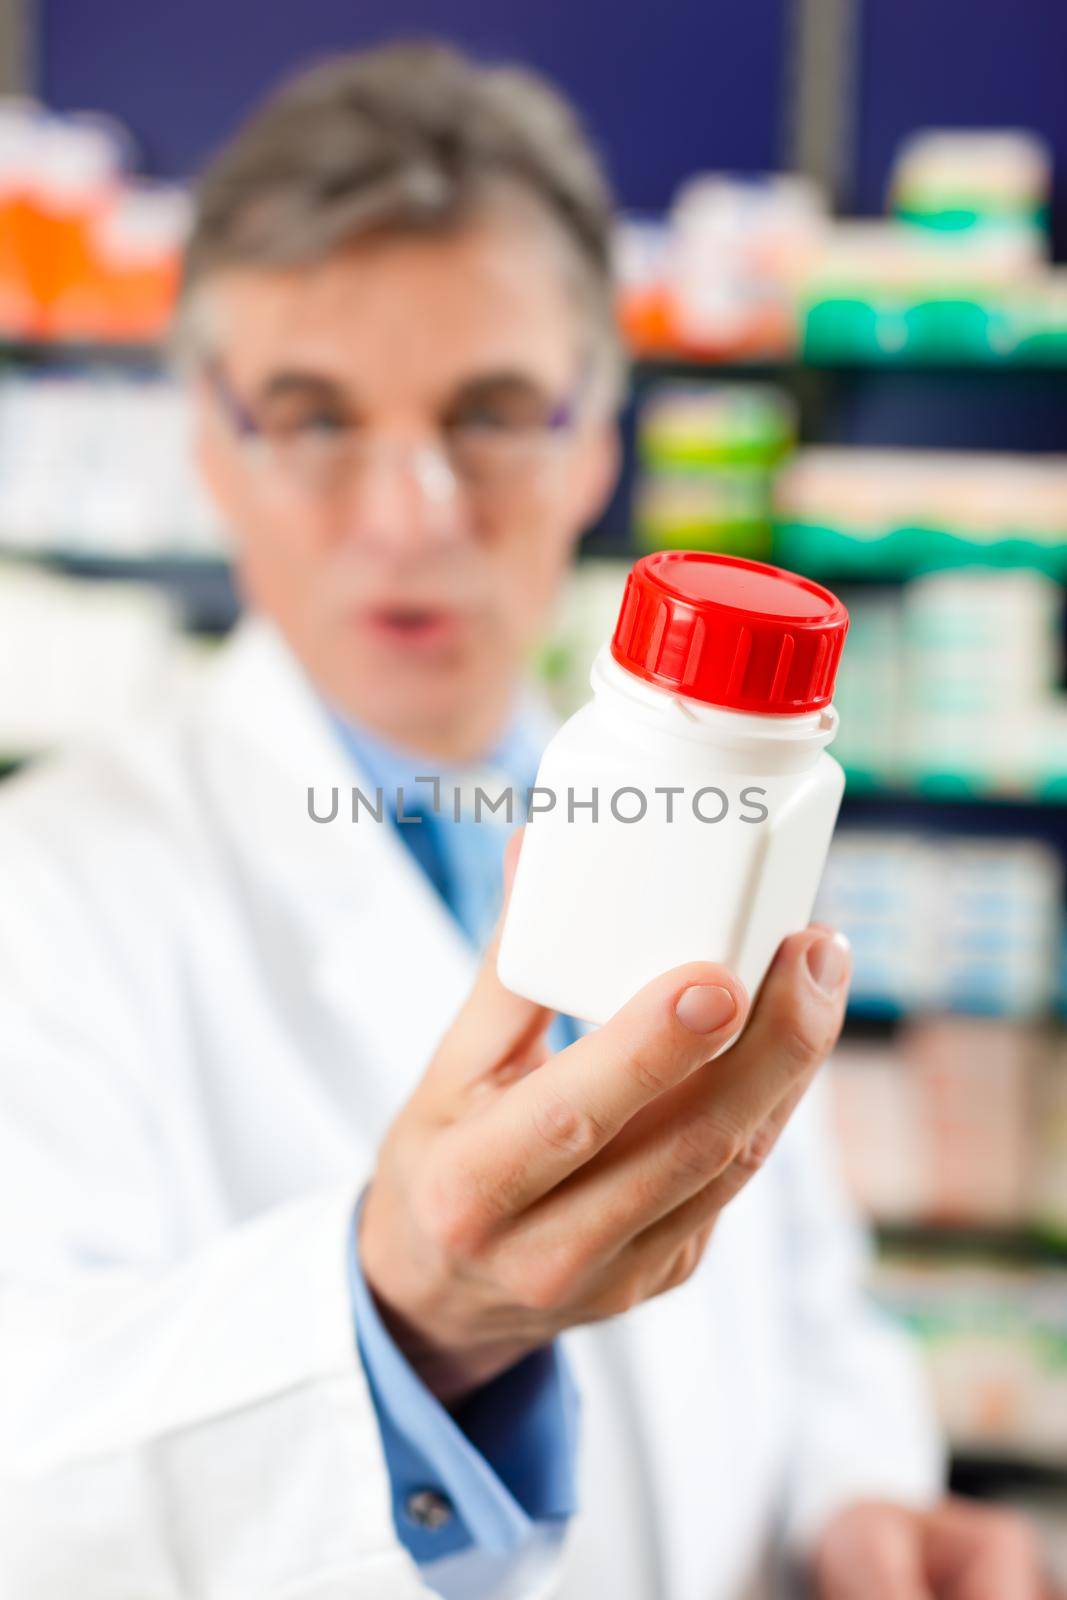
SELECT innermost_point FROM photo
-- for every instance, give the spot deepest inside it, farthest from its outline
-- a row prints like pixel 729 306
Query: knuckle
pixel 704 1146
pixel 755 1150
pixel 805 1044
pixel 625 1295
pixel 1013 1536
pixel 685 1262
pixel 546 1284
pixel 651 1076
pixel 566 1129
pixel 450 1214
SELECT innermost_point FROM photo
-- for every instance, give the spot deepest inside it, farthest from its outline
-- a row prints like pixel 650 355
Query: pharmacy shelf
pixel 81 353
pixel 101 564
pixel 160 568
pixel 816 388
pixel 91 352
pixel 869 1020
pixel 958 808
pixel 202 587
pixel 596 547
pixel 982 1474
pixel 645 364
pixel 604 543
pixel 954 798
pixel 1021 1246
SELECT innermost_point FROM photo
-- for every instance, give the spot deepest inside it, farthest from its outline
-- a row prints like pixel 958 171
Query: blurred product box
pixel 586 614
pixel 869 693
pixel 100 466
pixel 1048 1196
pixel 949 684
pixel 981 664
pixel 995 1340
pixel 878 1126
pixel 738 248
pixel 957 1121
pixel 960 180
pixel 701 425
pixel 877 890
pixel 756 269
pixel 86 251
pixel 706 458
pixel 974 1082
pixel 884 290
pixel 1038 313
pixel 641 249
pixel 947 922
pixel 939 1125
pixel 99 652
pixel 717 280
pixel 894 512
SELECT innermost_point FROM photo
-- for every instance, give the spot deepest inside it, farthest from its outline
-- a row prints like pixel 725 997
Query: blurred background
pixel 838 274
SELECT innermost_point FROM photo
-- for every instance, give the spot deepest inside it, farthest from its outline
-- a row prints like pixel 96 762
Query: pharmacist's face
pixel 403 443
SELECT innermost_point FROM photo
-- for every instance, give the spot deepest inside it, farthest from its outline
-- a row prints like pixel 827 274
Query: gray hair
pixel 406 137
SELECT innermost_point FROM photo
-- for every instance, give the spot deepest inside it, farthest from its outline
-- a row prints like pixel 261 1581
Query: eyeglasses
pixel 482 455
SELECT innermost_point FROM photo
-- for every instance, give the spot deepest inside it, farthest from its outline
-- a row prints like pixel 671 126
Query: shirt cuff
pixel 484 1474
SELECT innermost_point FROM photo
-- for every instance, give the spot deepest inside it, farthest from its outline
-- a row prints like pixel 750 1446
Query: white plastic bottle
pixel 685 812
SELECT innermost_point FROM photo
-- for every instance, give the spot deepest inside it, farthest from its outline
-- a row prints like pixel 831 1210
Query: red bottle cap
pixel 732 632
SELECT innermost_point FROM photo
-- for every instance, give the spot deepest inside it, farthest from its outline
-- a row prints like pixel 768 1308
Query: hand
pixel 519 1193
pixel 959 1550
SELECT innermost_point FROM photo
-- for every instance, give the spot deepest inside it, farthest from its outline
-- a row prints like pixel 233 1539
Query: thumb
pixel 493 1026
pixel 511 861
pixel 872 1552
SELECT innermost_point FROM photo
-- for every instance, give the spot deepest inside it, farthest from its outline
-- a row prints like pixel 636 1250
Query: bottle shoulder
pixel 799 798
pixel 598 731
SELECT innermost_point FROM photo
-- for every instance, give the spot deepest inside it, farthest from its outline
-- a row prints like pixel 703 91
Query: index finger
pixel 493 1023
pixel 550 1123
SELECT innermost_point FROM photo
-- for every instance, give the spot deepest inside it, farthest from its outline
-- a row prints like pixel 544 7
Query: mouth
pixel 413 629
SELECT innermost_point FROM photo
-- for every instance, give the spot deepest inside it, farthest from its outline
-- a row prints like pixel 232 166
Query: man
pixel 314 1257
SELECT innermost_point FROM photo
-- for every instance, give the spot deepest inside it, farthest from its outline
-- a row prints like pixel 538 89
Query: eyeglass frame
pixel 561 420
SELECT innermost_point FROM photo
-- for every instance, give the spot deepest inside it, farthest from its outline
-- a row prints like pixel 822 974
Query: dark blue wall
pixel 666 88
pixel 960 63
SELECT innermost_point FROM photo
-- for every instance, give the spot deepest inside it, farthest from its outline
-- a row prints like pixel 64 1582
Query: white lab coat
pixel 210 1008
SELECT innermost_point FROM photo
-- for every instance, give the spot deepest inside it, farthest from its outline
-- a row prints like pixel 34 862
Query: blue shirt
pixel 505 1458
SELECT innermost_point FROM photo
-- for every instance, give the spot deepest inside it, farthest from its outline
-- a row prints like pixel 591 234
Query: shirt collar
pixel 515 754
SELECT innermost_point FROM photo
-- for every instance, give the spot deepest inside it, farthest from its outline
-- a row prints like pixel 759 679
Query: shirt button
pixel 429 1509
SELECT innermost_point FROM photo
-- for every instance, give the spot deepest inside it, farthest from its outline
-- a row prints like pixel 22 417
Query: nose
pixel 407 494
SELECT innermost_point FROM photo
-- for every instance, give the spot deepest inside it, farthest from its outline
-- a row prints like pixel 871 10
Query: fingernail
pixel 828 963
pixel 704 1007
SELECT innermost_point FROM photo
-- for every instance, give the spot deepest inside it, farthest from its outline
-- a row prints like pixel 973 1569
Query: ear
pixel 203 441
pixel 215 468
pixel 596 471
pixel 212 460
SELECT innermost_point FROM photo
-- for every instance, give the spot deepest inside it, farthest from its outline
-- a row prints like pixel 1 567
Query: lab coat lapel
pixel 384 951
pixel 388 959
